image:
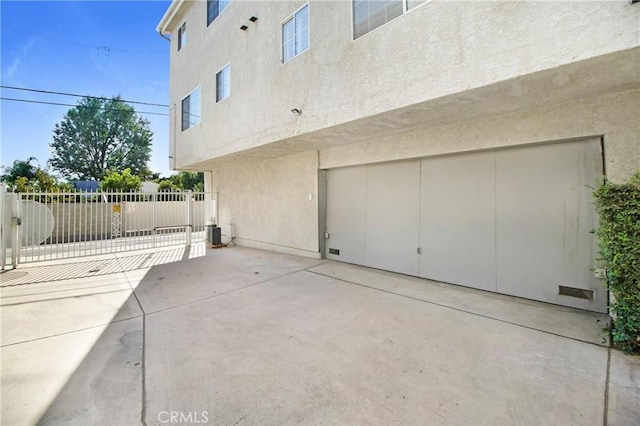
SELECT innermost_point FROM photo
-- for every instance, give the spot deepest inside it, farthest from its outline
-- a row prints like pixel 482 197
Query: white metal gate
pixel 36 226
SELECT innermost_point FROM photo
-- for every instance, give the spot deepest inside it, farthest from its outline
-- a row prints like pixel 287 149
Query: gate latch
pixel 16 221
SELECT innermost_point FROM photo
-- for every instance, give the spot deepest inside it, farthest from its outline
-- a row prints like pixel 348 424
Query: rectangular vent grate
pixel 579 293
pixel 334 251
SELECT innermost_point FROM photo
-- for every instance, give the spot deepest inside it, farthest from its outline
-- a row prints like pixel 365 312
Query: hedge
pixel 619 240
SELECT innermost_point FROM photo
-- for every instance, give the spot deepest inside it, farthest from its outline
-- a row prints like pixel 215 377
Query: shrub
pixel 124 182
pixel 619 239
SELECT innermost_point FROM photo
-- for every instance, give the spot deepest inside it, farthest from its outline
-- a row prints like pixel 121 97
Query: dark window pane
pixel 185 113
pixel 212 11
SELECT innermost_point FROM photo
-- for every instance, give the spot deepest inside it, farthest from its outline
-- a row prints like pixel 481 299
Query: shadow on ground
pixel 244 336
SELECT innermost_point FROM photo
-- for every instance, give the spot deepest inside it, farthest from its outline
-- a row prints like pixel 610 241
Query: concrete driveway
pixel 237 336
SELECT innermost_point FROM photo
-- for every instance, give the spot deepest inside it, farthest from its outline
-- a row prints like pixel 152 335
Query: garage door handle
pixel 419 250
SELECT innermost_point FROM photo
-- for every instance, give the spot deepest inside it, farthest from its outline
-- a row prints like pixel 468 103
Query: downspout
pixel 163 36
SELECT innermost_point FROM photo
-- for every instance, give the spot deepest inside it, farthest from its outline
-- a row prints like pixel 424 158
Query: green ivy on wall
pixel 619 239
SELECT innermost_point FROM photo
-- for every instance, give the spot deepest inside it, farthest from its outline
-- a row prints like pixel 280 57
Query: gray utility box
pixel 214 235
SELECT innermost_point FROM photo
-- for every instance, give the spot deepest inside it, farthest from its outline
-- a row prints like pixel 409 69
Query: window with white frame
pixel 191 109
pixel 223 83
pixel 295 34
pixel 215 8
pixel 370 14
pixel 182 36
pixel 413 3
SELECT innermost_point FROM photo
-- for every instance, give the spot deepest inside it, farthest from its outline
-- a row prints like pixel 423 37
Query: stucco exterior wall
pixel 434 50
pixel 269 200
pixel 273 203
pixel 616 117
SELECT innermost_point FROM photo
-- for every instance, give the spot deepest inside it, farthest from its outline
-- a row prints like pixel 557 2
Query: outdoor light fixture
pixel 243 27
pixel 253 18
pixel 297 111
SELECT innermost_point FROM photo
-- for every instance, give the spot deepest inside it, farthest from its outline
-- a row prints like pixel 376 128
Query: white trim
pixel 168 16
pixel 418 6
pixel 182 40
pixel 287 19
pixel 216 84
pixel 206 12
pixel 181 113
pixel 404 12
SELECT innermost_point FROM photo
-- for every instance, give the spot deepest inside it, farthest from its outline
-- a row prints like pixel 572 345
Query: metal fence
pixel 45 226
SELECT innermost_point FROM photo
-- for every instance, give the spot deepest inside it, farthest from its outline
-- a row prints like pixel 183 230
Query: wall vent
pixel 579 293
pixel 334 251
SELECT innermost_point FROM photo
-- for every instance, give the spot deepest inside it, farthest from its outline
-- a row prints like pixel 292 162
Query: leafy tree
pixel 100 135
pixel 187 181
pixel 125 181
pixel 23 176
pixel 192 180
pixel 167 186
pixel 147 175
pixel 19 169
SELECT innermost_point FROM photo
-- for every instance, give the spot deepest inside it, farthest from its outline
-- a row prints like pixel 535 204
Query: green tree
pixel 191 180
pixel 19 169
pixel 167 186
pixel 100 135
pixel 124 182
pixel 147 175
pixel 23 176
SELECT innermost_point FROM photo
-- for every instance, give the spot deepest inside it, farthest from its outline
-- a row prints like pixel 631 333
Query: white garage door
pixel 515 221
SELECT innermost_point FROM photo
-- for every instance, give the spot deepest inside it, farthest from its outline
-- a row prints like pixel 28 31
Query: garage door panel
pixel 517 221
pixel 393 216
pixel 346 203
pixel 544 217
pixel 457 225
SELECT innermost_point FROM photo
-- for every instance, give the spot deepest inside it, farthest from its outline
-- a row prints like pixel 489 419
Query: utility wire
pixel 78 106
pixel 49 92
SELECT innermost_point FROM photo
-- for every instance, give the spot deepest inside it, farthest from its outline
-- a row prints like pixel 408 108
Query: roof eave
pixel 168 16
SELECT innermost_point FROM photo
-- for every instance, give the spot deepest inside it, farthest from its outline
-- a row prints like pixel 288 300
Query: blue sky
pixel 97 48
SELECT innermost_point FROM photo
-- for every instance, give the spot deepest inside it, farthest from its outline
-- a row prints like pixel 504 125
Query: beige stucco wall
pixel 269 202
pixel 616 117
pixel 460 76
pixel 435 50
pixel 273 203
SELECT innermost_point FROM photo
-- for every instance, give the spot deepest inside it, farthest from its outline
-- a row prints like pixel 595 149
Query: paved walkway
pixel 238 336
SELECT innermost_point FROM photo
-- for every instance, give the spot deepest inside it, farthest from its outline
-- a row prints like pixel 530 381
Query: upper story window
pixel 215 8
pixel 295 34
pixel 223 83
pixel 370 14
pixel 191 109
pixel 182 36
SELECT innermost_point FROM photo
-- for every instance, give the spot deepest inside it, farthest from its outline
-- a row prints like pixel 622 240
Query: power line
pixel 77 106
pixel 49 92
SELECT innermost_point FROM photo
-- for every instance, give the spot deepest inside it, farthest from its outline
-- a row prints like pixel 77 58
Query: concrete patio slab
pixel 624 390
pixel 87 377
pixel 244 336
pixel 42 310
pixel 560 320
pixel 305 348
pixel 166 286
